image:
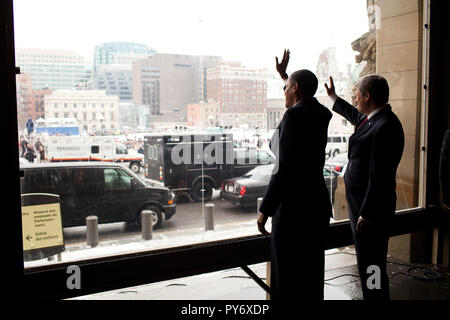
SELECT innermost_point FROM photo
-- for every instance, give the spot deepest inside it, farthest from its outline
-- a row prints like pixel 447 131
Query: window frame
pixel 132 269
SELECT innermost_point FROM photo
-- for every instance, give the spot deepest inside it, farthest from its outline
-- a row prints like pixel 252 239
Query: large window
pixel 178 145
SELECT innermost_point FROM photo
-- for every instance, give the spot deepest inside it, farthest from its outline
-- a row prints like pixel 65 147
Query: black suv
pixel 109 191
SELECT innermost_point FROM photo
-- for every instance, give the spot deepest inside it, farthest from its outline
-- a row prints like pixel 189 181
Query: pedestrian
pixel 23 147
pixel 30 154
pixel 297 198
pixel 374 152
pixel 41 151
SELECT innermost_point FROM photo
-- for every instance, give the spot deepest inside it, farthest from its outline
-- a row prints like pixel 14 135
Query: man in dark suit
pixel 374 152
pixel 297 198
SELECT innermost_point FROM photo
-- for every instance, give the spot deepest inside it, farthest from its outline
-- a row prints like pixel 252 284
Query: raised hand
pixel 281 67
pixel 331 90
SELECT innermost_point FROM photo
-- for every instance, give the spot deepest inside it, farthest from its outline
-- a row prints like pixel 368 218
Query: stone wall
pixel 399 33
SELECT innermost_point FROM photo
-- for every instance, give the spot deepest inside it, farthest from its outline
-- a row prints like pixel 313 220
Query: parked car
pixel 336 144
pixel 245 190
pixel 109 191
pixel 337 163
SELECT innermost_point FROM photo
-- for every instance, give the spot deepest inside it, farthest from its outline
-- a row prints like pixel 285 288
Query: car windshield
pixel 264 170
pixel 137 177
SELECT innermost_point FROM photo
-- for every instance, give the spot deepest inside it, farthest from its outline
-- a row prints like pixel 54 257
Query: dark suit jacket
pixel 374 153
pixel 299 203
pixel 297 183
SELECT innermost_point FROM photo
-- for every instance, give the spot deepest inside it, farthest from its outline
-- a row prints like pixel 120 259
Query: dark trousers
pixel 371 252
pixel 298 261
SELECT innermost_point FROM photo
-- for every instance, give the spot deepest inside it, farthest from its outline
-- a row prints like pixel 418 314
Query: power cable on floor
pixel 428 274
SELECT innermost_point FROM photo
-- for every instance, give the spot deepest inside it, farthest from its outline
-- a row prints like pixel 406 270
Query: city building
pixel 38 102
pixel 338 124
pixel 133 116
pixel 123 53
pixel 168 121
pixel 115 79
pixel 169 82
pixel 93 109
pixel 241 94
pixel 203 114
pixel 53 69
pixel 25 108
pixel 327 65
pixel 275 112
pixel 145 86
pixel 244 120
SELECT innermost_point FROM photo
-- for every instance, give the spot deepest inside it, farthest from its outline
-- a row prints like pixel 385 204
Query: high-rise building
pixel 115 79
pixel 145 86
pixel 123 53
pixel 53 69
pixel 169 82
pixel 241 93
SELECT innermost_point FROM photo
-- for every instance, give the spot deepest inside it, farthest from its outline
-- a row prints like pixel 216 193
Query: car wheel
pixel 198 191
pixel 156 218
pixel 135 167
pixel 335 153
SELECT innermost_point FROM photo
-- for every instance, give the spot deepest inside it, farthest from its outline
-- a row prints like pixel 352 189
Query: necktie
pixel 360 125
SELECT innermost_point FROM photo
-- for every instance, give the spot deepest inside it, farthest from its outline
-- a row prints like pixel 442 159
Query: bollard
pixel 147 224
pixel 92 231
pixel 209 216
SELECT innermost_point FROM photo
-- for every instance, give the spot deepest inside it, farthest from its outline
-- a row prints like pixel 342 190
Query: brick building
pixel 241 94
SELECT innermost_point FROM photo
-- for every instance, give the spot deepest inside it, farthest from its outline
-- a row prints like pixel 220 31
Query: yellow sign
pixel 41 226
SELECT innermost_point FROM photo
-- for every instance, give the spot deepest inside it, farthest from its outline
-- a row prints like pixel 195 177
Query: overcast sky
pixel 250 31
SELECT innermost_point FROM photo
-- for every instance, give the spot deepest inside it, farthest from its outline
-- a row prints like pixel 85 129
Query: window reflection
pixel 155 93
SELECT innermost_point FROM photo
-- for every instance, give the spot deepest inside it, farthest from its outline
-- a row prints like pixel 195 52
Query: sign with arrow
pixel 41 226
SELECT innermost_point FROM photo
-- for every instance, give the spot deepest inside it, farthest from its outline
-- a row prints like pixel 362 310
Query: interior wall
pixel 399 60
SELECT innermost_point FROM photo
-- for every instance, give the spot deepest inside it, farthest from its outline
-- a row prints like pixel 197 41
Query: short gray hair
pixel 376 86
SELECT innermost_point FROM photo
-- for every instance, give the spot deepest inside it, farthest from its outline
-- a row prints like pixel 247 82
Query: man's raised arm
pixel 281 67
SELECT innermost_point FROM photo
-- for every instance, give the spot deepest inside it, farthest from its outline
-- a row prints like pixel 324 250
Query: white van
pixel 91 148
pixel 336 144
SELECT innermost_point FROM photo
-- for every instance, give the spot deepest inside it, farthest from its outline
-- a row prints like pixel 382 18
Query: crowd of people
pixel 32 145
pixel 32 149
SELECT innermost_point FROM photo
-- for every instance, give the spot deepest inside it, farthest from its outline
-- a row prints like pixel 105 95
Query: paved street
pixel 188 218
